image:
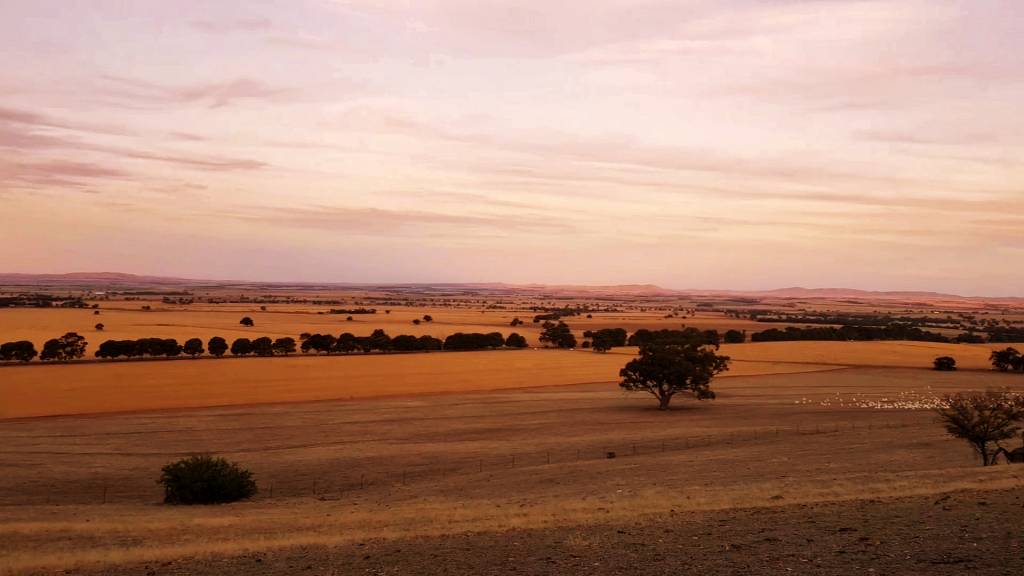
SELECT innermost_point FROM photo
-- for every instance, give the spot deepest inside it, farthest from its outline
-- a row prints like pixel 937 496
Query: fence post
pixel 104 494
pixel 362 481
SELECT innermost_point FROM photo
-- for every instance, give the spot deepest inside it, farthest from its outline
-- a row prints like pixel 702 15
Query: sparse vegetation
pixel 206 479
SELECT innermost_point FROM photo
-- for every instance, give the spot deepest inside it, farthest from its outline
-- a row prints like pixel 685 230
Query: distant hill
pixel 89 278
pixel 121 280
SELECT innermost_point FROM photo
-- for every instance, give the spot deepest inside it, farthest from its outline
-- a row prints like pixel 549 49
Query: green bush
pixel 205 479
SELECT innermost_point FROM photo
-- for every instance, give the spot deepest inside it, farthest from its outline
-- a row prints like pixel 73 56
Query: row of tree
pixel 849 333
pixel 665 337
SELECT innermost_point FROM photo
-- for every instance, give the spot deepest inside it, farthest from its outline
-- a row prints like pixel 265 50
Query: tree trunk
pixel 663 401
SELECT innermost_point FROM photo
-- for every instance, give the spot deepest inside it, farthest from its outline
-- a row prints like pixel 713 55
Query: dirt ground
pixel 964 532
pixel 518 480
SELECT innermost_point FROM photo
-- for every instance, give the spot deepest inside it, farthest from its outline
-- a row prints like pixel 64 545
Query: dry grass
pixel 68 459
pixel 876 354
pixel 125 386
pixel 128 535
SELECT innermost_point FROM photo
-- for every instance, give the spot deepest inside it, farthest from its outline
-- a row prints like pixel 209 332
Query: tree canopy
pixel 558 335
pixel 983 419
pixel 664 370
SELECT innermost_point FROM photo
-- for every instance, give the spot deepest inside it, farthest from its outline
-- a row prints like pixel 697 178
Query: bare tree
pixel 983 419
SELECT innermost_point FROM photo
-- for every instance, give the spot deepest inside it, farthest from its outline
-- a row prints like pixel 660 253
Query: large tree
pixel 558 335
pixel 1007 359
pixel 217 346
pixel 284 346
pixel 193 347
pixel 68 347
pixel 21 351
pixel 516 340
pixel 263 346
pixel 241 347
pixel 983 419
pixel 607 338
pixel 666 370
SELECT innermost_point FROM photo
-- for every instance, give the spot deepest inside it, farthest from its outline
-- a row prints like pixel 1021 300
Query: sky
pixel 691 144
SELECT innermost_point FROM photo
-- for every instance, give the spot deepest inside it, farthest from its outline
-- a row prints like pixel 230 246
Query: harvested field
pixel 387 470
pixel 83 388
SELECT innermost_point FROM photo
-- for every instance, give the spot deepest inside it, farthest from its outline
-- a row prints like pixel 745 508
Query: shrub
pixel 944 364
pixel 246 321
pixel 205 479
pixel 515 340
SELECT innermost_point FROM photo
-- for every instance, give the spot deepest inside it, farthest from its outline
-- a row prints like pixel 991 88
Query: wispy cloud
pixel 214 94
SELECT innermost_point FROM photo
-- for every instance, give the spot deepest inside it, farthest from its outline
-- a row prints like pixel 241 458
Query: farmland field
pixel 392 470
pixel 369 462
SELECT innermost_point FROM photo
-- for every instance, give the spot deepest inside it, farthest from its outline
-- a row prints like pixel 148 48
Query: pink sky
pixel 730 144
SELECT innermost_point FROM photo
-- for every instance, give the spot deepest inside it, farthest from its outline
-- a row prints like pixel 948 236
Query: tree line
pixel 72 346
pixel 849 333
